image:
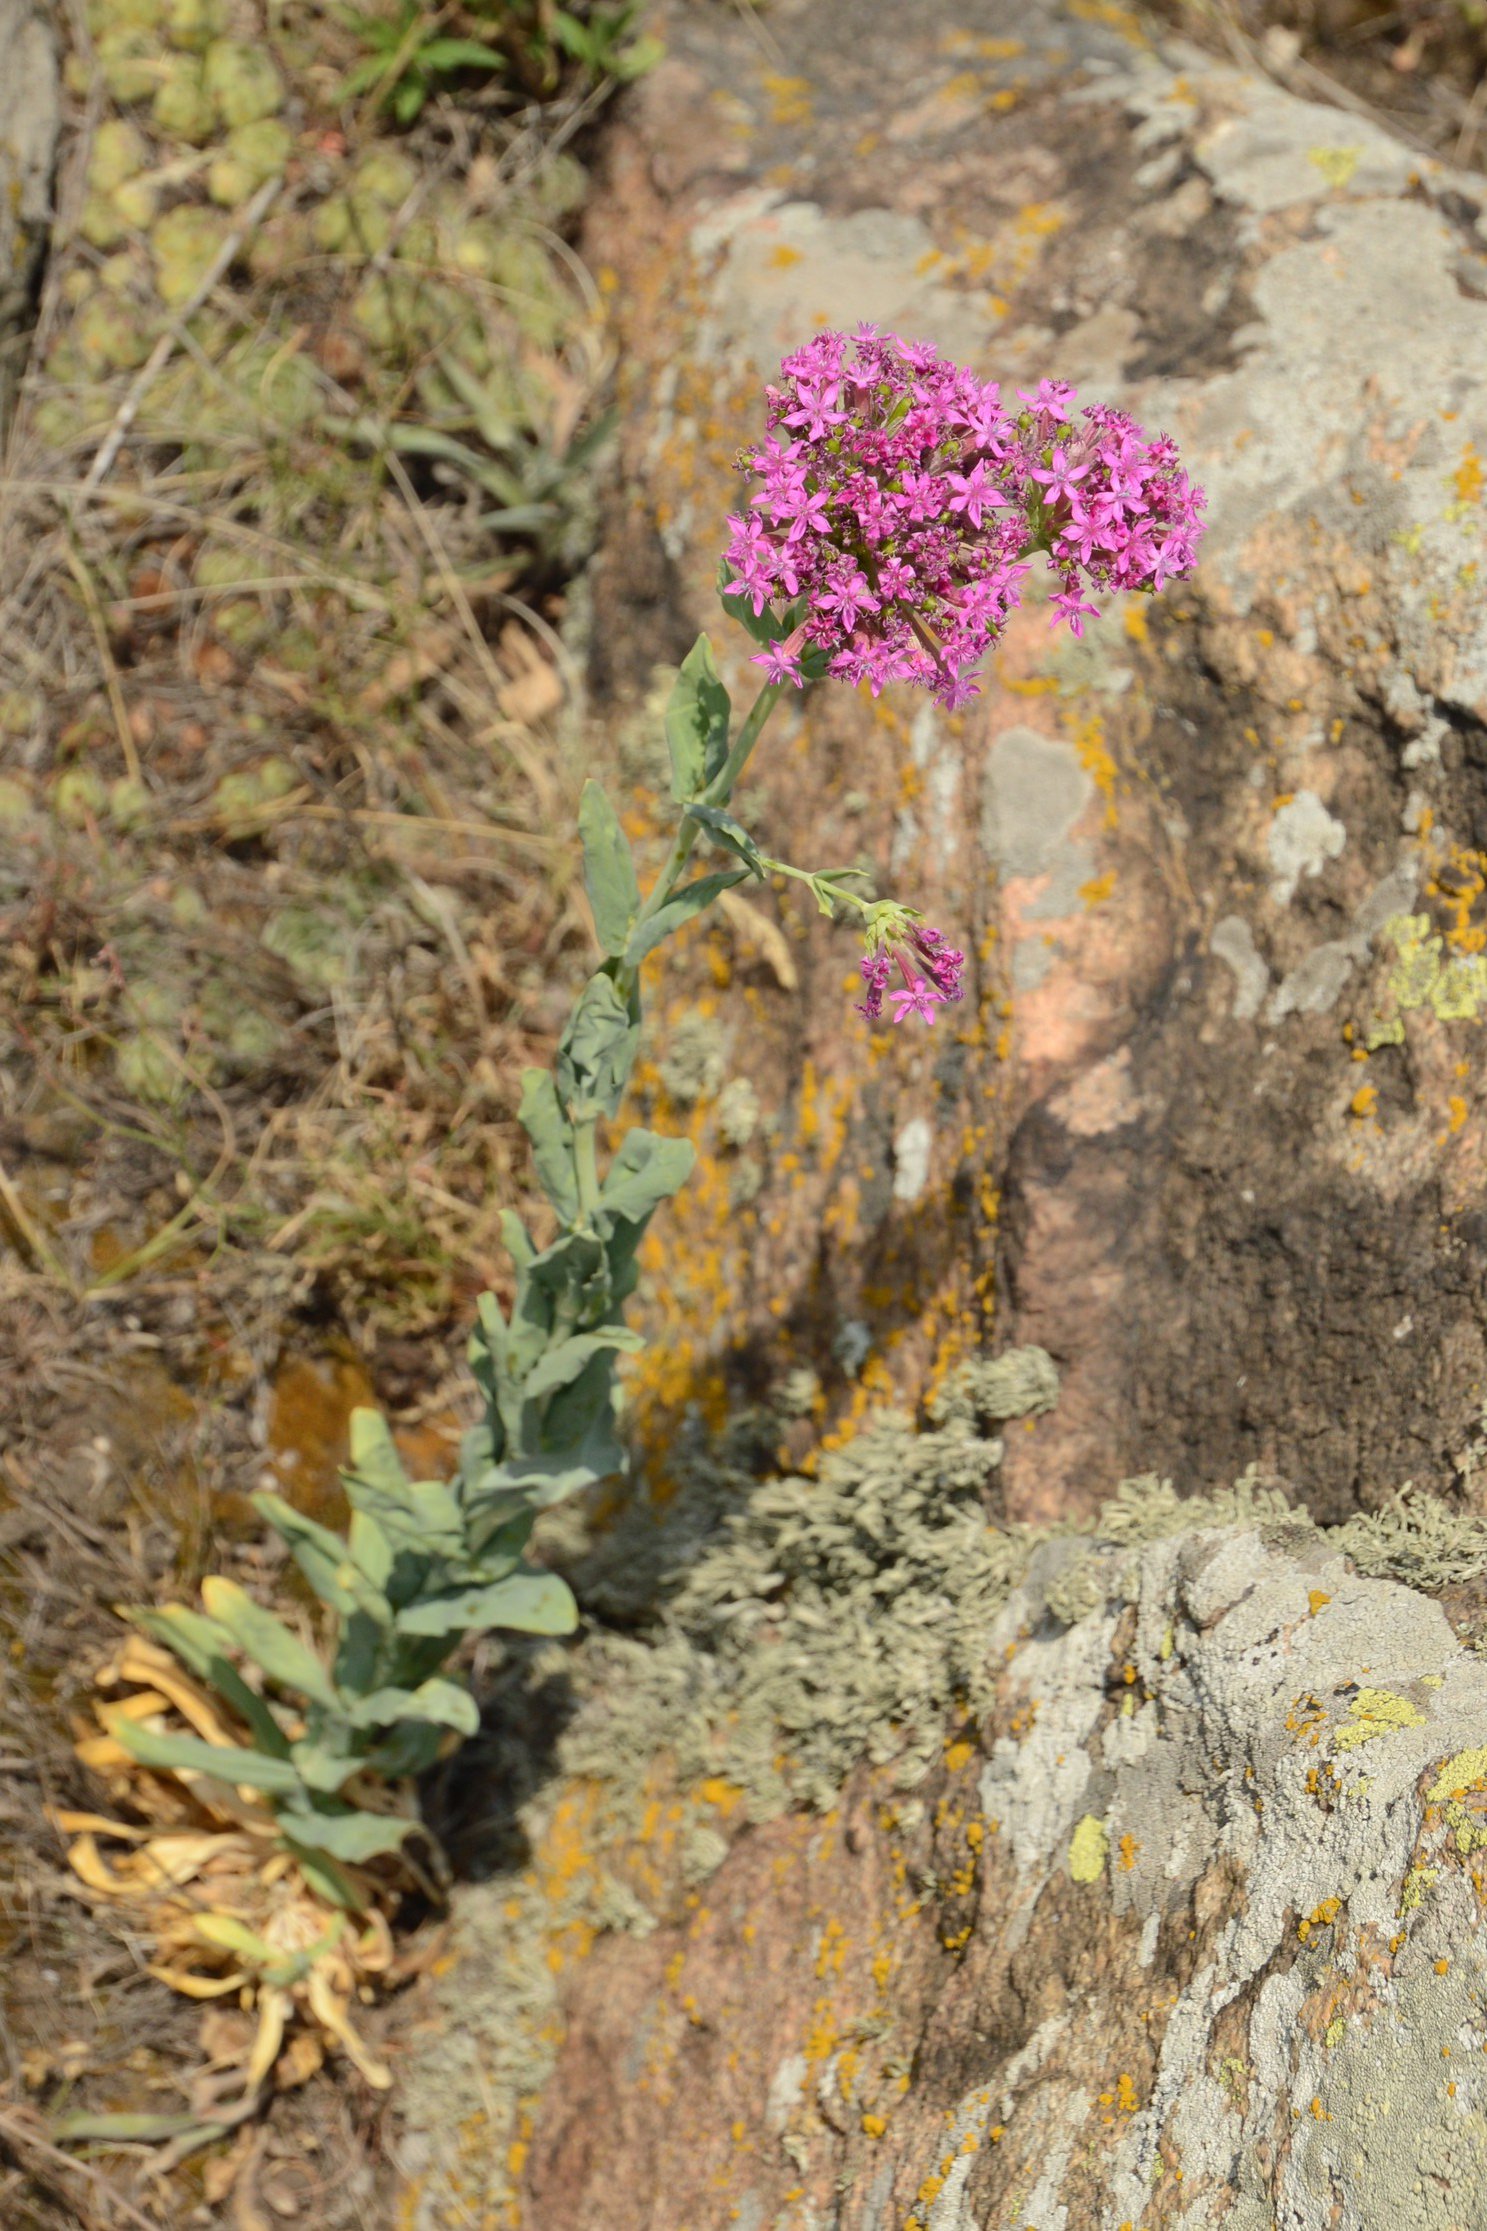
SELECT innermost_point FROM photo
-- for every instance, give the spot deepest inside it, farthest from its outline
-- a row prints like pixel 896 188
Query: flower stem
pixel 586 1167
pixel 718 791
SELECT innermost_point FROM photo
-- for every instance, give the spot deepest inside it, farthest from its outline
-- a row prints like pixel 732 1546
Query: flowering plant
pixel 899 503
pixel 899 498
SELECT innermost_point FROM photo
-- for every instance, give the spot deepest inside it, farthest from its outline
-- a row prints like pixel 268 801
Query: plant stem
pixel 717 793
pixel 720 789
pixel 815 884
pixel 586 1168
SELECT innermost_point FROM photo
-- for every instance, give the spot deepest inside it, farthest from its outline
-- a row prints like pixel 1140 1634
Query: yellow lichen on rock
pixel 1089 1848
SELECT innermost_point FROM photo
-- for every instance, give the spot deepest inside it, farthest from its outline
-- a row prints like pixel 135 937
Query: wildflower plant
pixel 898 505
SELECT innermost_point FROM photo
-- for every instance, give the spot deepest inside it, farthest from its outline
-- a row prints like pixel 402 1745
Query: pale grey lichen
pixel 738 1112
pixel 1022 1383
pixel 695 1061
pixel 828 1620
pixel 1418 1539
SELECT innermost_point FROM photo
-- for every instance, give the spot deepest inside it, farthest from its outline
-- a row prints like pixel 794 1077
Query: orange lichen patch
pixel 309 1430
pixel 783 256
pixel 959 1754
pixel 726 1796
pixel 1037 220
pixel 1364 1101
pixel 1024 685
pixel 1096 760
pixel 1114 17
pixel 875 1386
pixel 563 1857
pixel 1468 479
pixel 1098 889
pixel 1458 878
pixel 1315 1598
pixel 874 2125
pixel 1128 1848
pixel 790 99
pixel 821 2037
pixel 1125 2099
pixel 832 1950
pixel 1322 1917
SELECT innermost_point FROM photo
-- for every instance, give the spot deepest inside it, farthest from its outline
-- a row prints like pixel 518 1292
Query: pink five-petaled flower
pixel 897 500
pixel 1059 478
pixel 846 594
pixel 1068 605
pixel 781 663
pixel 920 998
pixel 973 492
pixel 933 970
pixel 1052 397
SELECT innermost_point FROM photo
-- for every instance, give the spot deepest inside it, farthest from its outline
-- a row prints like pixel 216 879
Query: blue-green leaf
pixel 518 1241
pixel 425 1518
pixel 585 1402
pixel 459 54
pixel 729 835
pixel 276 1777
pixel 565 1362
pixel 647 1170
pixel 596 1054
pixel 529 1603
pixel 359 1654
pixel 325 1877
pixel 374 1453
pixel 323 1767
pixel 541 1116
pixel 352 1836
pixel 441 1702
pixel 268 1642
pixel 697 719
pixel 202 1646
pixel 687 903
pixel 608 870
pixel 329 1564
pixel 409 1748
pixel 767 626
pixel 372 1554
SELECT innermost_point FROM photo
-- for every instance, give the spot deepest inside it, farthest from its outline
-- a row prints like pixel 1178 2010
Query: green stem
pixel 833 890
pixel 586 1167
pixel 720 789
pixel 717 793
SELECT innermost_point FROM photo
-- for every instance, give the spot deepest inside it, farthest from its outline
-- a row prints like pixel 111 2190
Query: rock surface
pixel 1192 1935
pixel 1182 1927
pixel 1234 1138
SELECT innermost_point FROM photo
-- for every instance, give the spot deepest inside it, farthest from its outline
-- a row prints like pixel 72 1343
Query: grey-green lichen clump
pixel 826 1620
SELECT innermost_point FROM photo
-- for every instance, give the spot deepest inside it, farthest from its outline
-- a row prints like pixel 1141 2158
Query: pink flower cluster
pixel 932 968
pixel 900 498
